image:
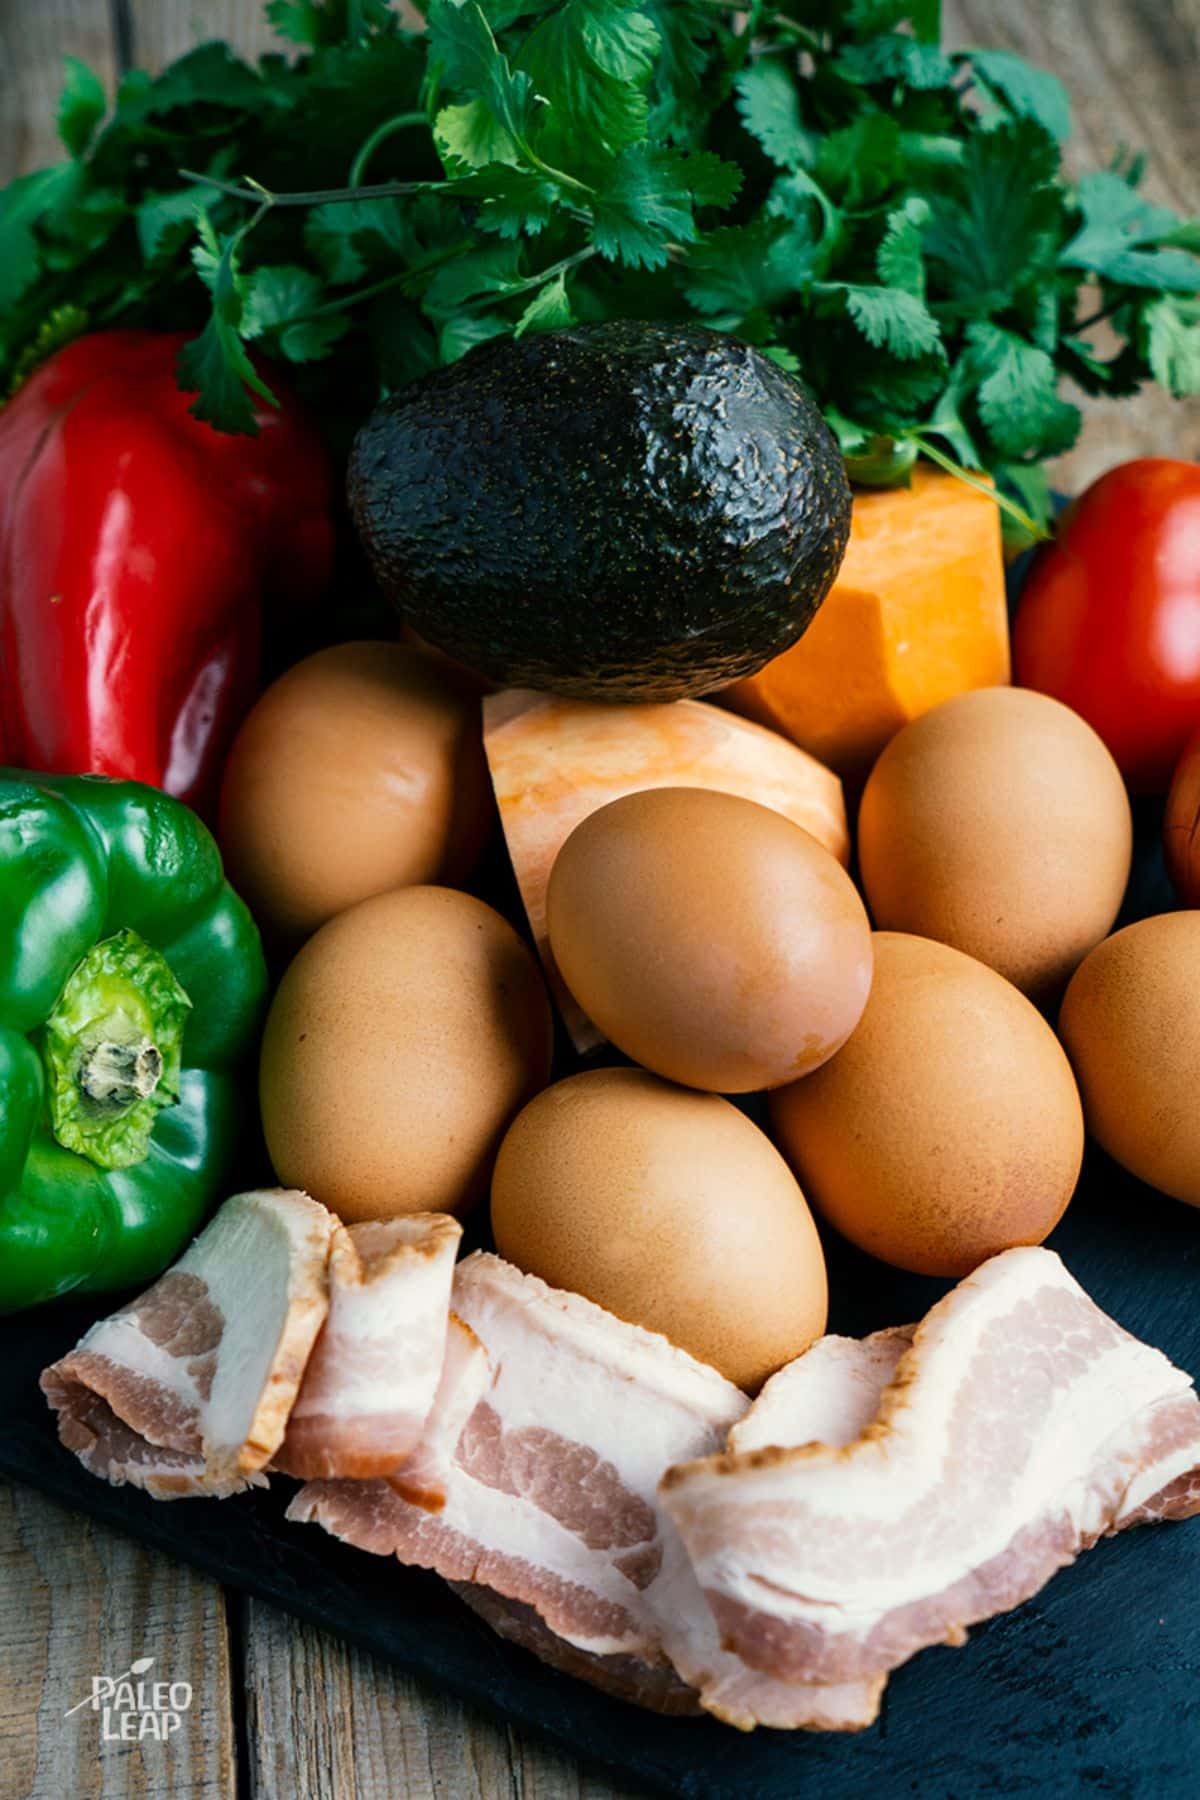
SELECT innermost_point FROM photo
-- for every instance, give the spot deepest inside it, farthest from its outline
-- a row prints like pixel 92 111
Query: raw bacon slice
pixel 547 1511
pixel 551 1500
pixel 555 761
pixel 425 1474
pixel 187 1390
pixel 655 1686
pixel 1022 1425
pixel 829 1395
pixel 374 1370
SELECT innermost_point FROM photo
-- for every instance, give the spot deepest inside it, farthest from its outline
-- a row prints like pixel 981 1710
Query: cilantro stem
pixel 800 34
pixel 1102 313
pixel 545 275
pixel 381 133
pixel 557 175
pixel 1015 512
pixel 401 278
pixel 380 190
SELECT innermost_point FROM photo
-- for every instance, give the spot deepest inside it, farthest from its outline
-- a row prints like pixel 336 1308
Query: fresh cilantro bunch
pixel 887 219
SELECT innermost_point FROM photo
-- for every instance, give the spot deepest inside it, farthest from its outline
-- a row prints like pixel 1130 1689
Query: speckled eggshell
pixel 998 823
pixel 711 939
pixel 400 1043
pixel 949 1127
pixel 671 1209
pixel 359 770
pixel 1131 1023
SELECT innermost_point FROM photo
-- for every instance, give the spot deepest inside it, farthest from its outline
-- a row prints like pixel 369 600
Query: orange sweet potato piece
pixel 916 614
pixel 555 761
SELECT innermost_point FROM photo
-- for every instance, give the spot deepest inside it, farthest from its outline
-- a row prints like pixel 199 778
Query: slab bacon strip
pixel 371 1380
pixel 187 1390
pixel 1021 1425
pixel 546 1513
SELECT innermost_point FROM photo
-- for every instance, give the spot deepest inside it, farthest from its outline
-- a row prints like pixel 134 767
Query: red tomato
pixel 1109 618
pixel 1181 827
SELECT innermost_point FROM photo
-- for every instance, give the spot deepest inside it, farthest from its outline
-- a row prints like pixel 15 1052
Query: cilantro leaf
pixel 329 235
pixel 769 107
pixel 63 325
pixel 648 199
pixel 317 24
pixel 24 203
pixel 549 308
pixel 1116 221
pixel 215 366
pixel 512 202
pixel 740 269
pixel 1030 93
pixel 888 318
pixel 462 331
pixel 277 300
pixel 164 222
pixel 462 44
pixel 299 21
pixel 891 57
pixel 690 42
pixel 899 260
pixel 590 61
pixel 470 136
pixel 994 227
pixel 494 269
pixel 862 161
pixel 1172 328
pixel 81 106
pixel 947 420
pixel 209 75
pixel 1018 396
pixel 1185 234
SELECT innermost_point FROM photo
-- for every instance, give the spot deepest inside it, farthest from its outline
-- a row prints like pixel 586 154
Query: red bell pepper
pixel 137 547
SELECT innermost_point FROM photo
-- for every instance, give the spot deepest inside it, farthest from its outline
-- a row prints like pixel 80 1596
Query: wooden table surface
pixel 281 1709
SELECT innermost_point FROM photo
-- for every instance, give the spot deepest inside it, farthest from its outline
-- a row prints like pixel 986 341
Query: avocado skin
pixel 622 511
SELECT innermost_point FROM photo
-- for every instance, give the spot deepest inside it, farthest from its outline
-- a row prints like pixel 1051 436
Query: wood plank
pixel 325 1718
pixel 1132 72
pixel 78 1600
pixel 163 29
pixel 33 41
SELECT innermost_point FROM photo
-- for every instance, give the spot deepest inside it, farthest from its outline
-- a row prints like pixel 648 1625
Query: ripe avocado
pixel 622 511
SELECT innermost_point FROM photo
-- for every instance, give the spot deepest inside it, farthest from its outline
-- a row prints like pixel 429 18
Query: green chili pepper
pixel 131 985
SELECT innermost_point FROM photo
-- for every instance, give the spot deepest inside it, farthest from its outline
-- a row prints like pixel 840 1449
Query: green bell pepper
pixel 132 982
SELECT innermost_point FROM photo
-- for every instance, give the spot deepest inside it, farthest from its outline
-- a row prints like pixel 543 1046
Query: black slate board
pixel 1092 1688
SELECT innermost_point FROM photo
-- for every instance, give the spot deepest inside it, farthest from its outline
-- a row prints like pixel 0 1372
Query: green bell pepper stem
pixel 113 1051
pixel 132 984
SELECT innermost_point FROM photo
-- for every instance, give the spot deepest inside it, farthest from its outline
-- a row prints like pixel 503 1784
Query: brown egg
pixel 1181 826
pixel 948 1128
pixel 669 1208
pixel 714 941
pixel 1131 1023
pixel 998 823
pixel 402 1040
pixel 359 770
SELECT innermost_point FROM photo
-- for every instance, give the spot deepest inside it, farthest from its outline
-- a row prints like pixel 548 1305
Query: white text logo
pixel 131 1709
